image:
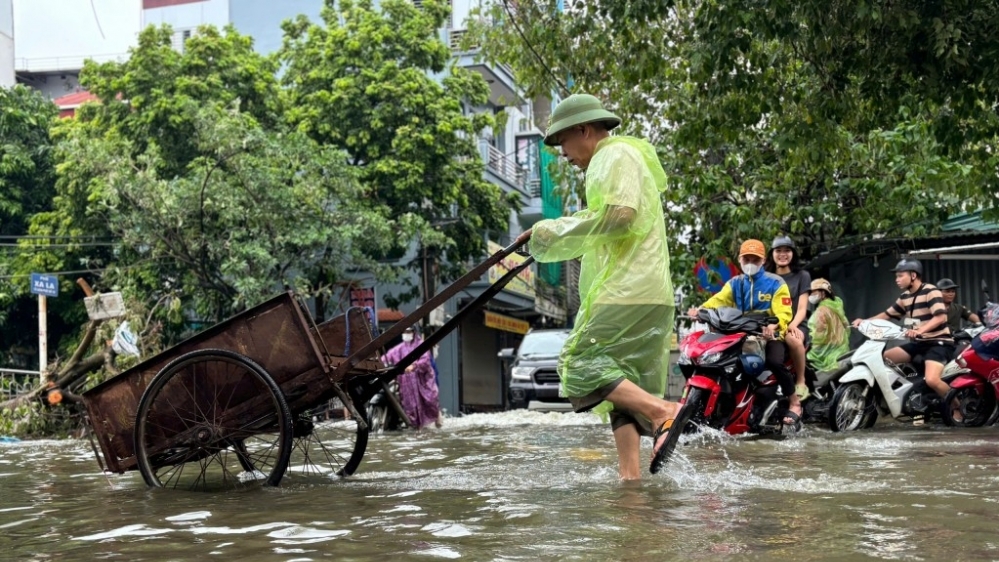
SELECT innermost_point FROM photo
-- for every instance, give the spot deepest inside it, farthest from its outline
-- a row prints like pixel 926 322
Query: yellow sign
pixel 505 323
pixel 523 283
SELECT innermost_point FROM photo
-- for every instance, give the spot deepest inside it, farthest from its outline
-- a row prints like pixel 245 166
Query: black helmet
pixel 783 242
pixel 909 264
pixel 945 284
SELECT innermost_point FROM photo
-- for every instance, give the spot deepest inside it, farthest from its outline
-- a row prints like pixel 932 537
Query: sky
pixel 48 29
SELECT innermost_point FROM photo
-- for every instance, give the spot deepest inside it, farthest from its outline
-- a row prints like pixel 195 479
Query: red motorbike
pixel 728 385
pixel 974 394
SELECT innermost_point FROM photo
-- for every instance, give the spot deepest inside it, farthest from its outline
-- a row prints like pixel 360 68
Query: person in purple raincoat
pixel 417 385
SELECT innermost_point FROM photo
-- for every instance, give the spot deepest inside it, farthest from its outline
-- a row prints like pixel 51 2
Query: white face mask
pixel 407 338
pixel 814 299
pixel 750 269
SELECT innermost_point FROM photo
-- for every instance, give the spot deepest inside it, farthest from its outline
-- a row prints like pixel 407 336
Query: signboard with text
pixel 506 323
pixel 44 285
pixel 523 283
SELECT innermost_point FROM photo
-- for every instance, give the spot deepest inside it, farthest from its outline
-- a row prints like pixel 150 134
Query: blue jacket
pixel 763 292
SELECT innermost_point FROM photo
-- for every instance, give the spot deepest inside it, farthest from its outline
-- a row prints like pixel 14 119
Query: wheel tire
pixel 850 409
pixel 872 416
pixel 205 407
pixel 326 449
pixel 690 406
pixel 977 409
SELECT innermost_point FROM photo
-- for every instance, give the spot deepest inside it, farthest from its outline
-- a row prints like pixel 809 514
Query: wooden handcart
pixel 231 407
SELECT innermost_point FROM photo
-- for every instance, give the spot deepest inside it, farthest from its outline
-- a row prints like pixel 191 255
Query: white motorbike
pixel 874 385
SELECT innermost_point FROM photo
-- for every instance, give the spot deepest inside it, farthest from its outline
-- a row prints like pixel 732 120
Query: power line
pixel 541 61
pixel 57 246
pixel 77 272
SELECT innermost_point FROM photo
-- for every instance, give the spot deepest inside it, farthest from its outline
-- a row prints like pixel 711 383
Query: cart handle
pixel 452 323
pixel 459 285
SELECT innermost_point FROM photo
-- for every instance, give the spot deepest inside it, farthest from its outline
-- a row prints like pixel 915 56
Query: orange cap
pixel 753 248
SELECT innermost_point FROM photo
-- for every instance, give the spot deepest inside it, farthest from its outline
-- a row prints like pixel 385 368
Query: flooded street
pixel 532 486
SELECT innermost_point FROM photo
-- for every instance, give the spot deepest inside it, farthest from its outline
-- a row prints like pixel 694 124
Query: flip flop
pixel 660 456
pixel 794 417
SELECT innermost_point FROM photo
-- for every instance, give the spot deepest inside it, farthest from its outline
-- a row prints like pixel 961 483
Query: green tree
pixel 188 175
pixel 255 211
pixel 26 170
pixel 830 122
pixel 27 176
pixel 376 83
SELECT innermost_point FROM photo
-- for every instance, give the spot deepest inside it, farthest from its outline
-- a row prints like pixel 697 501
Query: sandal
pixel 661 455
pixel 794 417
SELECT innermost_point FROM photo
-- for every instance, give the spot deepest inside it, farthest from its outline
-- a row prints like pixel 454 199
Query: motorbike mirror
pixel 985 287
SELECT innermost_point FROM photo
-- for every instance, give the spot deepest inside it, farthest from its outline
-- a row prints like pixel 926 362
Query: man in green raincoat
pixel 617 355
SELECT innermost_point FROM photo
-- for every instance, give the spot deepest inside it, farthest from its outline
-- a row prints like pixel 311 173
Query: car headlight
pixel 521 373
pixel 710 358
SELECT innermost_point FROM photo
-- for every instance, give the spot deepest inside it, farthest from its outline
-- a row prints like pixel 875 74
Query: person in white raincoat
pixel 618 351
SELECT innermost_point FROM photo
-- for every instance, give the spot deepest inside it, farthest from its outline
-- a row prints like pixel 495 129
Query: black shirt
pixel 799 283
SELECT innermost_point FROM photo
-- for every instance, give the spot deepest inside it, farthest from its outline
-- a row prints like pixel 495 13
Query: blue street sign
pixel 47 285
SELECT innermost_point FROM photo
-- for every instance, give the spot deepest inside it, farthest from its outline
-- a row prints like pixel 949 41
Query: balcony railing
pixel 502 165
pixel 68 63
pixel 534 187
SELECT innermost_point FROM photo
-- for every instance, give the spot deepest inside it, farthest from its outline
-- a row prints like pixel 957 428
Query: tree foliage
pixel 375 82
pixel 254 212
pixel 27 176
pixel 827 121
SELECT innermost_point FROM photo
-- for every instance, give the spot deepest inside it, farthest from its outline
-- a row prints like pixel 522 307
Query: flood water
pixel 532 486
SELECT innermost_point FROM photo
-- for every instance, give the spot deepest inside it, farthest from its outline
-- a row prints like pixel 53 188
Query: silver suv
pixel 533 374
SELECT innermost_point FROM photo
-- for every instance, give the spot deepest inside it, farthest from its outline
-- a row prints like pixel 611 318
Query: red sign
pixel 365 297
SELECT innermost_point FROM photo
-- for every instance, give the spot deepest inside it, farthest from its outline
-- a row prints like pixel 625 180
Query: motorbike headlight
pixel 521 373
pixel 683 359
pixel 710 358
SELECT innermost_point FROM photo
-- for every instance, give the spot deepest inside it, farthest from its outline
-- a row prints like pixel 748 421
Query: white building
pixel 54 37
pixel 6 43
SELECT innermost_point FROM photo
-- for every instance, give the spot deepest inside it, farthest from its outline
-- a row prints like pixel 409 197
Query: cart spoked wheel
pixel 326 448
pixel 213 419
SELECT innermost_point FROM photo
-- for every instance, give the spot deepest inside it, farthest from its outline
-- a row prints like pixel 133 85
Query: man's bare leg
pixel 629 444
pixel 933 371
pixel 630 396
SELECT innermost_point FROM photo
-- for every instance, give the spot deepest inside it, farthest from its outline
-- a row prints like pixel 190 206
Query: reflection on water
pixel 529 486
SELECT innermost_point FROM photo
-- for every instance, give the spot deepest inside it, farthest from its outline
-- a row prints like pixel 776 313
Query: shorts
pixel 933 351
pixel 805 332
pixel 614 343
pixel 619 417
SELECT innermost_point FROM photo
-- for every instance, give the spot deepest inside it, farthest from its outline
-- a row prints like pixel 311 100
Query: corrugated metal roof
pixel 969 222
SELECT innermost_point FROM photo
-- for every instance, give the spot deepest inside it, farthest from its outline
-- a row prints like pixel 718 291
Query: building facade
pixel 6 43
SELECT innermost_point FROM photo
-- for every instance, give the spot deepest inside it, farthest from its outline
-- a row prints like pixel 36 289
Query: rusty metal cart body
pixel 231 407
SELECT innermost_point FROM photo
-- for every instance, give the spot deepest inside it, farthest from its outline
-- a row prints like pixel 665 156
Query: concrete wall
pixel 6 43
pixel 261 19
pixel 52 85
pixel 58 35
pixel 189 15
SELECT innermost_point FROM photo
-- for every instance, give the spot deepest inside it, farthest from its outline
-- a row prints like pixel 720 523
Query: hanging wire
pixel 541 61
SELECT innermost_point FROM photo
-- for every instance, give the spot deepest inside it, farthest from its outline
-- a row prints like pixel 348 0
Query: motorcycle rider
pixel 759 291
pixel 784 261
pixel 955 312
pixel 829 328
pixel 922 311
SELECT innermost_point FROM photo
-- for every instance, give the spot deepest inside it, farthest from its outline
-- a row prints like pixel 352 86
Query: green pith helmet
pixel 578 109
